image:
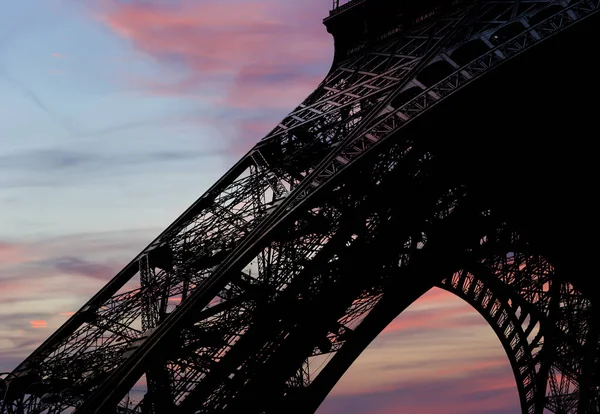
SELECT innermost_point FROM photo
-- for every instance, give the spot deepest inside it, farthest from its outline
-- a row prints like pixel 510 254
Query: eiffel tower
pixel 450 145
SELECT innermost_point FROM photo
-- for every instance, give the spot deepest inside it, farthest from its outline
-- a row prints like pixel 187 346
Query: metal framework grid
pixel 251 300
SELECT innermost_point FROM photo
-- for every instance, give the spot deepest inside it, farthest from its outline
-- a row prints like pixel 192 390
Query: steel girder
pixel 191 318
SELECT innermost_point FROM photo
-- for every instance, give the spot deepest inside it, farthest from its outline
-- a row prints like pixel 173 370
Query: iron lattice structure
pixel 261 295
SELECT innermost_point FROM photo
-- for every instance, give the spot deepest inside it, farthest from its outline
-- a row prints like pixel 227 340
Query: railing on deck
pixel 338 8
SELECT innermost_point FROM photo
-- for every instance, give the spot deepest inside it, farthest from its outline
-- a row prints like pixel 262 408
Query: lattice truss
pixel 194 319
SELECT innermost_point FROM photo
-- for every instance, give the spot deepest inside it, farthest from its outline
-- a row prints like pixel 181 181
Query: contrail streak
pixel 33 98
pixel 27 91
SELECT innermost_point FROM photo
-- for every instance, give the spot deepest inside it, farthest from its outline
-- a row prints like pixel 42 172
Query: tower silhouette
pixel 451 145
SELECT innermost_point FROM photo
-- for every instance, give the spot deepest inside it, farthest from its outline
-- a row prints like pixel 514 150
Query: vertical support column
pixel 589 401
pixel 548 352
pixel 158 397
pixel 150 301
pixel 261 163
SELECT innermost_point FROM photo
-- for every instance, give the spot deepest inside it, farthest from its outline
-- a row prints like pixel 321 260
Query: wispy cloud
pixel 50 278
pixel 488 390
pixel 65 167
pixel 94 256
pixel 80 267
pixel 451 317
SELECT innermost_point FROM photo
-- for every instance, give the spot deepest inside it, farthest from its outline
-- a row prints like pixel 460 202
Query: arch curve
pixel 531 309
pixel 511 326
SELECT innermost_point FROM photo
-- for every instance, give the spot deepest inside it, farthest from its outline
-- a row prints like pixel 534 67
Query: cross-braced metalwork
pixel 299 256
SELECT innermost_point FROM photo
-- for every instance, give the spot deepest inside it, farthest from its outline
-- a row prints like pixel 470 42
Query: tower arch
pixel 533 312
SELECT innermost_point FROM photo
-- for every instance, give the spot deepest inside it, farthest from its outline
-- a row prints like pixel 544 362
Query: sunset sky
pixel 115 115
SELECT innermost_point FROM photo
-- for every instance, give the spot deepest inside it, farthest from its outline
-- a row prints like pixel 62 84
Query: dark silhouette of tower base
pixel 452 144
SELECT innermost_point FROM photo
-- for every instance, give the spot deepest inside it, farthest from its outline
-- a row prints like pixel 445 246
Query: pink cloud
pixel 38 324
pixel 248 133
pixel 472 367
pixel 436 295
pixel 452 317
pixel 256 58
pixel 214 40
pixel 270 86
pixel 455 404
pixel 482 388
pixel 11 254
pixel 57 55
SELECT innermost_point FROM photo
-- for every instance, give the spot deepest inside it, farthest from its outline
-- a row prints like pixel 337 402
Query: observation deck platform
pixel 355 22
